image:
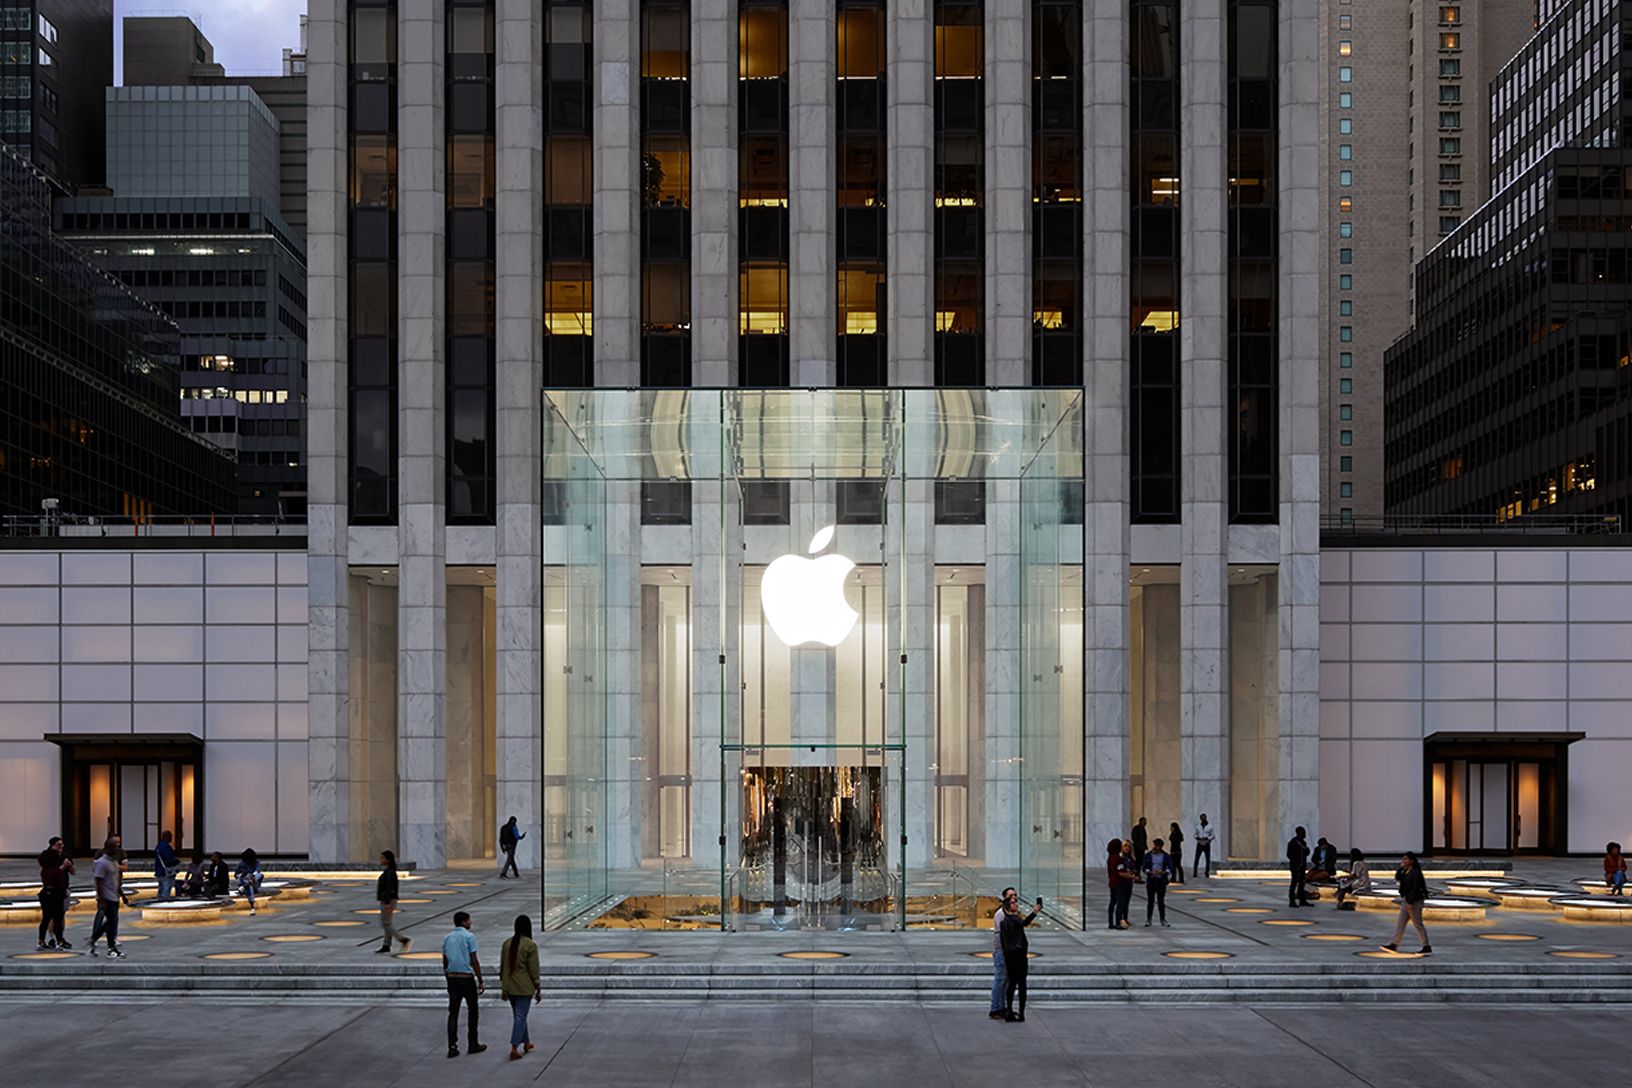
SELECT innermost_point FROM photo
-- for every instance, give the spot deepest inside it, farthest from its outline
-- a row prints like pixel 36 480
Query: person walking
pixel 1016 957
pixel 107 874
pixel 1357 882
pixel 1128 874
pixel 999 976
pixel 165 865
pixel 1297 862
pixel 510 836
pixel 1175 850
pixel 248 877
pixel 1157 871
pixel 385 894
pixel 1141 842
pixel 1204 849
pixel 519 982
pixel 463 973
pixel 1413 894
pixel 1615 868
pixel 1113 872
pixel 55 869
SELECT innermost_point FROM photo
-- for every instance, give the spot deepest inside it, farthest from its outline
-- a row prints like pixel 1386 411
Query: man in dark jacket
pixel 1297 861
pixel 1141 843
pixel 510 835
pixel 1413 894
pixel 1016 958
pixel 55 869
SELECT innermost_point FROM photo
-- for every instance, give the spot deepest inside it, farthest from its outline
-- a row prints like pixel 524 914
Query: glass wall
pixel 809 690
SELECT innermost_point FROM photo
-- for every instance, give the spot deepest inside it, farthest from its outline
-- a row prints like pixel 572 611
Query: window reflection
pixel 373 171
pixel 470 171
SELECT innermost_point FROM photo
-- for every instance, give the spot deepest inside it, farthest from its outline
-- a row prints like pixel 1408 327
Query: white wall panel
pixel 28 645
pixel 1601 718
pixel 247 644
pixel 1334 680
pixel 1532 641
pixel 1600 680
pixel 28 569
pixel 1458 642
pixel 27 721
pixel 292 721
pixel 96 568
pixel 96 717
pixel 1386 720
pixel 90 645
pixel 1459 680
pixel 169 683
pixel 240 604
pixel 1552 565
pixel 241 683
pixel 24 605
pixel 93 683
pixel 1459 566
pixel 1532 716
pixel 169 604
pixel 1534 604
pixel 168 718
pixel 1458 716
pixel 240 568
pixel 1532 680
pixel 29 805
pixel 1387 604
pixel 1334 793
pixel 1458 604
pixel 1600 603
pixel 240 721
pixel 1387 565
pixel 1386 642
pixel 240 796
pixel 1387 799
pixel 1592 565
pixel 95 604
pixel 1600 641
pixel 292 813
pixel 1374 680
pixel 1334 642
pixel 1598 809
pixel 169 568
pixel 29 683
pixel 171 643
pixel 1334 718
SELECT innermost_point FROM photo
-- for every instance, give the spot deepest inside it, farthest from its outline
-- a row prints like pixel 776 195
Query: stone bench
pixel 1537 897
pixel 1480 885
pixel 1614 909
pixel 183 911
pixel 17 912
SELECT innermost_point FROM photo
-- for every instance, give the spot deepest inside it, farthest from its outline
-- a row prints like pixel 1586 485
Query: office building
pixel 912 270
pixel 208 246
pixel 56 56
pixel 170 51
pixel 91 382
pixel 1506 400
pixel 1406 125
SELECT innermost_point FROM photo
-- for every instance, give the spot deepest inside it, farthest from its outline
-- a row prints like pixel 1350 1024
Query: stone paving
pixel 789 1045
pixel 335 931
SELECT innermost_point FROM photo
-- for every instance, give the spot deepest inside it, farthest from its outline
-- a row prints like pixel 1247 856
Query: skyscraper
pixel 56 56
pixel 1406 119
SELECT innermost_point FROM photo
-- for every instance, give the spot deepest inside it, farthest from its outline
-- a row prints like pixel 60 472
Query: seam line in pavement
pixel 319 1041
pixel 1295 1037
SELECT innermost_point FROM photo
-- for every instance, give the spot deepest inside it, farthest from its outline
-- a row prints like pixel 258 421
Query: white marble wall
pixel 519 331
pixel 909 180
pixel 616 214
pixel 1515 640
pixel 1105 380
pixel 1007 85
pixel 1003 667
pixel 326 291
pixel 370 818
pixel 811 211
pixel 1203 289
pixel 421 380
pixel 140 640
pixel 714 318
pixel 1300 343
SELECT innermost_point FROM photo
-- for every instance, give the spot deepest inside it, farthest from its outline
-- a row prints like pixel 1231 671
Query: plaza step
pixel 1415 982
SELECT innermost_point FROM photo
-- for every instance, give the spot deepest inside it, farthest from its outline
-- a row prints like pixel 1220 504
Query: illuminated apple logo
pixel 804 598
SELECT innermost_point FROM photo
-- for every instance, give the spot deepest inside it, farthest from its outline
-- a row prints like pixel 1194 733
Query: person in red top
pixel 1615 868
pixel 55 869
pixel 1113 866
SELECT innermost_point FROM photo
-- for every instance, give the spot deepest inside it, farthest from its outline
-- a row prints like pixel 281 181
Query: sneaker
pixel 1165 925
pixel 91 949
pixel 1426 950
pixel 453 1052
pixel 252 912
pixel 526 1048
pixel 65 946
pixel 475 1048
pixel 115 954
pixel 1390 948
pixel 383 951
pixel 1147 924
pixel 996 1014
pixel 43 947
pixel 407 945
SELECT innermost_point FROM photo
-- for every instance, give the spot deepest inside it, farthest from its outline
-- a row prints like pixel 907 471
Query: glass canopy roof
pixel 782 434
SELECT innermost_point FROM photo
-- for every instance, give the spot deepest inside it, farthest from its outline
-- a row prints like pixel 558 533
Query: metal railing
pixel 1469 524
pixel 34 526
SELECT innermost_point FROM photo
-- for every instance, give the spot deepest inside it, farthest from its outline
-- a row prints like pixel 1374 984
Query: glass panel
pixel 1527 810
pixel 1495 806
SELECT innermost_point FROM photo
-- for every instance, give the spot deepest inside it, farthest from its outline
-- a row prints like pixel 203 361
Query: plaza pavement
pixel 1539 958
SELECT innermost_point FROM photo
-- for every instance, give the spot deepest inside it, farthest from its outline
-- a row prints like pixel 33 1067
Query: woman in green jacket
pixel 518 971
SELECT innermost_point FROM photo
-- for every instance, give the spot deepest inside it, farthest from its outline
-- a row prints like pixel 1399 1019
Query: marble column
pixel 1105 376
pixel 909 178
pixel 371 739
pixel 616 214
pixel 1008 193
pixel 1004 667
pixel 626 768
pixel 812 208
pixel 518 589
pixel 421 521
pixel 714 626
pixel 714 317
pixel 1203 291
pixel 466 744
pixel 1300 430
pixel 917 610
pixel 327 751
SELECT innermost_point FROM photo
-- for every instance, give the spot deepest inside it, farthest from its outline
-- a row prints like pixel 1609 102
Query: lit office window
pixel 762 190
pixel 665 193
pixel 960 194
pixel 569 185
pixel 1056 180
pixel 859 188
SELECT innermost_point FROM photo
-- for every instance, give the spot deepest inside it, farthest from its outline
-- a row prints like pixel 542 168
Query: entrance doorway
pixel 1496 794
pixel 131 785
pixel 813 852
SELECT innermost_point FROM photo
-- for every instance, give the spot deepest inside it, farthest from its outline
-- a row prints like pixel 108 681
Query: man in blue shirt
pixel 463 972
pixel 165 865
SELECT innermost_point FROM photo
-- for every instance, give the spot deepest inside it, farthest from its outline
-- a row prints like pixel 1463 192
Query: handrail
pixel 46 525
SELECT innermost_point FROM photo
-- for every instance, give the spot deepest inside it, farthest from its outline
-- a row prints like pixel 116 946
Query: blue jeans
pixel 518 1029
pixel 107 922
pixel 1000 977
pixel 1618 882
pixel 167 885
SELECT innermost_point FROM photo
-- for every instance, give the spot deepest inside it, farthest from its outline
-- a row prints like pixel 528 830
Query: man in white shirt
pixel 1204 848
pixel 999 975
